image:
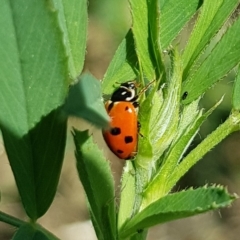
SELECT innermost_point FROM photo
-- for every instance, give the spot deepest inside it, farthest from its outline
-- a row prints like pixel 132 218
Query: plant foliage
pixel 42 49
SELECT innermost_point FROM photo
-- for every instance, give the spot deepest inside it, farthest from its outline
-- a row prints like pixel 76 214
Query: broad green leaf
pixel 140 29
pixel 123 66
pixel 34 81
pixel 32 232
pixel 36 161
pixel 224 57
pixel 212 17
pixel 72 16
pixel 48 140
pixel 33 63
pixel 173 16
pixel 85 101
pixel 95 174
pixel 28 232
pixel 236 92
pixel 178 205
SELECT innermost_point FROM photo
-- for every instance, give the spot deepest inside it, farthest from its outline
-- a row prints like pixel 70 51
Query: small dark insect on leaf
pixel 184 96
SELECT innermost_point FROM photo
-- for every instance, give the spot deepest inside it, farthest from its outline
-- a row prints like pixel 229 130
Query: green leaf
pixel 85 101
pixel 189 114
pixel 148 113
pixel 236 91
pixel 224 57
pixel 158 187
pixel 28 232
pixel 95 174
pixel 229 126
pixel 36 161
pixel 159 119
pixel 163 122
pixel 127 194
pixel 33 232
pixel 179 205
pixel 123 66
pixel 154 33
pixel 32 62
pixel 173 16
pixel 140 28
pixel 73 21
pixel 140 235
pixel 212 17
pixel 34 81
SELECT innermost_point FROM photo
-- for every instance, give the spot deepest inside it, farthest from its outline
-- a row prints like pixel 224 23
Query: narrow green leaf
pixel 73 21
pixel 139 235
pixel 188 116
pixel 179 205
pixel 163 126
pixel 123 66
pixel 195 44
pixel 236 92
pixel 158 186
pixel 229 126
pixel 154 29
pixel 212 17
pixel 159 118
pixel 95 174
pixel 148 112
pixel 127 194
pixel 85 101
pixel 140 28
pixel 224 57
pixel 173 16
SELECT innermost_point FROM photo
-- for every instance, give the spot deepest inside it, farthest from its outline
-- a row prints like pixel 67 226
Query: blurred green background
pixel 68 217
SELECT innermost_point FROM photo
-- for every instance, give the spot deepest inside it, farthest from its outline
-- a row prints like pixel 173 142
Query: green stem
pixel 229 126
pixel 4 217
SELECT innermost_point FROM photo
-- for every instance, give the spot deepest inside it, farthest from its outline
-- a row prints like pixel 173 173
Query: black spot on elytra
pixel 119 151
pixel 128 139
pixel 115 131
pixel 126 108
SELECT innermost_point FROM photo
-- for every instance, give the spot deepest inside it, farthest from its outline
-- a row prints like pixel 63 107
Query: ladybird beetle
pixel 122 108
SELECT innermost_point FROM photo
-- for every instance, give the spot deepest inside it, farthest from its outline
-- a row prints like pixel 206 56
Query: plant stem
pixel 4 217
pixel 229 126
